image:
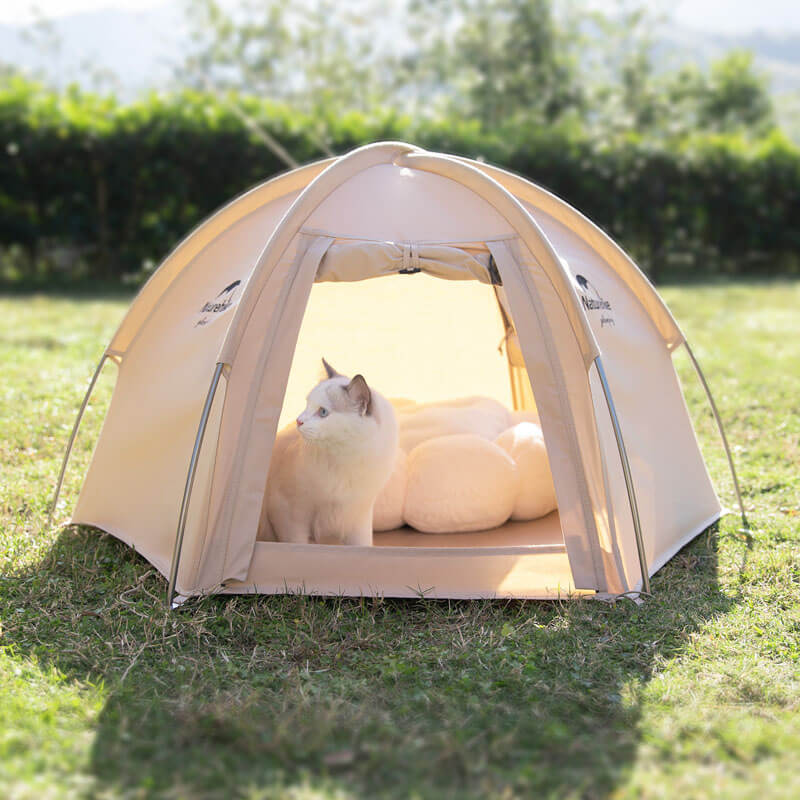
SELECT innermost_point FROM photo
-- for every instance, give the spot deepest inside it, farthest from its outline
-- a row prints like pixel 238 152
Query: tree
pixel 494 60
pixel 505 64
pixel 735 96
pixel 499 61
pixel 516 61
pixel 316 55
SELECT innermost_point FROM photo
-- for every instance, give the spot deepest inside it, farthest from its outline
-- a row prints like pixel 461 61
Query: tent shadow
pixel 252 696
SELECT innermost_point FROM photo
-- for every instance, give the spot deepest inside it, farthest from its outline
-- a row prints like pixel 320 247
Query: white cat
pixel 327 470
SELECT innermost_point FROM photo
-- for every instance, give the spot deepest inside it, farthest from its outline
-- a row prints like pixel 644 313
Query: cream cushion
pixel 461 482
pixel 388 511
pixel 537 495
pixel 480 416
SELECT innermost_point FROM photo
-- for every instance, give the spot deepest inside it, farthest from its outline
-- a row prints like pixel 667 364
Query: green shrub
pixel 93 187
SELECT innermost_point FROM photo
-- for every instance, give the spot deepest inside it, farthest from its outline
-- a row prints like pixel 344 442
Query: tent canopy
pixel 410 267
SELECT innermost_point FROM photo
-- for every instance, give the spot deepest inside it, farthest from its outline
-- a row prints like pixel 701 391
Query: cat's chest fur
pixel 335 479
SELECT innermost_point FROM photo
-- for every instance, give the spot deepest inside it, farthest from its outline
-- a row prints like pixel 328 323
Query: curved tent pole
pixel 74 433
pixel 721 429
pixel 594 237
pixel 626 470
pixel 315 192
pixel 187 491
pixel 528 229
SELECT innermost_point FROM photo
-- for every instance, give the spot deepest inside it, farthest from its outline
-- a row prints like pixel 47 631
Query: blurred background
pixel 673 125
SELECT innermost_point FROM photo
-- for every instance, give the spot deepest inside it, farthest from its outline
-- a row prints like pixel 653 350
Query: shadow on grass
pixel 249 696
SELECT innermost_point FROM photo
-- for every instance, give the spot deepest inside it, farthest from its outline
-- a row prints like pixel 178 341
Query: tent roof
pixel 329 173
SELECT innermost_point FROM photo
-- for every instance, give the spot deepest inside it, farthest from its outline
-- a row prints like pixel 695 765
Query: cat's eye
pixel 323 412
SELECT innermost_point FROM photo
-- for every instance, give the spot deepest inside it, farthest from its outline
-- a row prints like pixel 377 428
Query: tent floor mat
pixel 545 531
pixel 516 560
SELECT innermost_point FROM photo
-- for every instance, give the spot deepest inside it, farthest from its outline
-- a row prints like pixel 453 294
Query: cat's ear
pixel 359 394
pixel 330 372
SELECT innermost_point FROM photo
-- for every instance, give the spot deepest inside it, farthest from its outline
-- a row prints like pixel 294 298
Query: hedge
pixel 90 186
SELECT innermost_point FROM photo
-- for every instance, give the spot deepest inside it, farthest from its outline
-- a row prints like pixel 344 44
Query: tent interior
pixel 425 338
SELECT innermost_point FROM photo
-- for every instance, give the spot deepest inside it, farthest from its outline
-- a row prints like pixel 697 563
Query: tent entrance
pixel 432 329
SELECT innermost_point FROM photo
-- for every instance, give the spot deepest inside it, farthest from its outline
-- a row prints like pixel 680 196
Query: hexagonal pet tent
pixel 179 469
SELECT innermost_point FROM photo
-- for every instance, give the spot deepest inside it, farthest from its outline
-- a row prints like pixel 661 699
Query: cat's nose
pixel 299 423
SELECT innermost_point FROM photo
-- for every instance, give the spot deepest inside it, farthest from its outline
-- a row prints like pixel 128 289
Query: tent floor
pixel 545 531
pixel 518 559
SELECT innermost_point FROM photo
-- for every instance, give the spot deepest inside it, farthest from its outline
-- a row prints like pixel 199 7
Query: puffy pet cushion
pixel 459 483
pixel 480 416
pixel 537 495
pixel 388 512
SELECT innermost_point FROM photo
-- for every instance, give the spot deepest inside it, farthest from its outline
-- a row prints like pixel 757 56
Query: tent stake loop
pixel 626 471
pixel 74 433
pixel 187 491
pixel 721 430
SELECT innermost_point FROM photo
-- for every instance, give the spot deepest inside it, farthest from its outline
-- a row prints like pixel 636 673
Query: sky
pixel 717 16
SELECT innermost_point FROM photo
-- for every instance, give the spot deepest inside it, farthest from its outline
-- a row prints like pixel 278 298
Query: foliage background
pixel 686 167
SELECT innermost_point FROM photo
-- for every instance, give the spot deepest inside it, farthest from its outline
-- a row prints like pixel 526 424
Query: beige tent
pixel 459 255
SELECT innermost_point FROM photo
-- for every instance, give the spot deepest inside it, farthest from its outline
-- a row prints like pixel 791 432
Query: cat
pixel 328 468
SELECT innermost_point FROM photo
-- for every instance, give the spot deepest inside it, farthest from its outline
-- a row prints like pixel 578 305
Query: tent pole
pixel 74 433
pixel 187 492
pixel 721 429
pixel 626 470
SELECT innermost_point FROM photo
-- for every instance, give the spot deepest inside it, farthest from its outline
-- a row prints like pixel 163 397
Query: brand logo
pixel 224 301
pixel 592 300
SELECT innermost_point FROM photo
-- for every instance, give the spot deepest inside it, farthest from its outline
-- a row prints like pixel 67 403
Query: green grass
pixel 693 694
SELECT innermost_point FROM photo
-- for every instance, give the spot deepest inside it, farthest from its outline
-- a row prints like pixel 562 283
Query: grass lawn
pixel 694 694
